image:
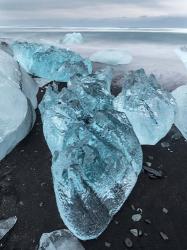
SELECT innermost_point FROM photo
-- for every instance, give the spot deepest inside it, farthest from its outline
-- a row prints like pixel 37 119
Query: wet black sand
pixel 26 191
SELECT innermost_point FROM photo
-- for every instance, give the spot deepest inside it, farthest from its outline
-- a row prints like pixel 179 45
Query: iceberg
pixel 112 57
pixel 180 95
pixel 149 108
pixel 59 240
pixel 96 155
pixel 6 225
pixel 49 62
pixel 73 38
pixel 17 114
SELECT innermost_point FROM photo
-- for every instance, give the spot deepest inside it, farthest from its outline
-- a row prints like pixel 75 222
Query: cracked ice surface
pixel 50 62
pixel 17 115
pixel 180 95
pixel 149 108
pixel 59 240
pixel 96 155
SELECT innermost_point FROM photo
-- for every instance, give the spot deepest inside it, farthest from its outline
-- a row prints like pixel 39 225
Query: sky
pixel 95 13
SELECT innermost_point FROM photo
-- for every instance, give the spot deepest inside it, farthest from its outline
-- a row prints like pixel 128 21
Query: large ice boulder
pixel 149 108
pixel 112 57
pixel 96 155
pixel 59 240
pixel 180 95
pixel 73 38
pixel 50 62
pixel 17 114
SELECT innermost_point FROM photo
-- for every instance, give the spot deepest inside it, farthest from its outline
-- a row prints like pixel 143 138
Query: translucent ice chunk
pixel 6 225
pixel 59 240
pixel 149 108
pixel 50 62
pixel 96 156
pixel 180 95
pixel 112 56
pixel 73 38
pixel 102 77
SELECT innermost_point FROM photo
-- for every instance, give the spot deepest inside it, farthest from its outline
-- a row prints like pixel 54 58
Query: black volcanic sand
pixel 26 191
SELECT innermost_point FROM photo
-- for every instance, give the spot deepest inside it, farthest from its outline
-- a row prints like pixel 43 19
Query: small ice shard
pixel 17 115
pixel 6 225
pixel 149 108
pixel 59 240
pixel 180 95
pixel 50 62
pixel 73 38
pixel 112 57
pixel 136 217
pixel 96 155
pixel 182 54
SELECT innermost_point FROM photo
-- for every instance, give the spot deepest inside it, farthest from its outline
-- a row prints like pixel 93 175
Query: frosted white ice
pixel 112 57
pixel 16 112
pixel 180 95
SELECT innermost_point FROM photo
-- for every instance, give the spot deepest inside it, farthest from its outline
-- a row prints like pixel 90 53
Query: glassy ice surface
pixel 59 240
pixel 149 108
pixel 50 62
pixel 112 57
pixel 96 155
pixel 17 115
pixel 102 77
pixel 180 95
pixel 73 38
pixel 6 225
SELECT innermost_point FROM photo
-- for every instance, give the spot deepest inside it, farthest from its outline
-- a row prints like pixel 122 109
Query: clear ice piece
pixel 102 77
pixel 73 38
pixel 96 156
pixel 112 56
pixel 149 108
pixel 180 95
pixel 6 225
pixel 50 62
pixel 59 240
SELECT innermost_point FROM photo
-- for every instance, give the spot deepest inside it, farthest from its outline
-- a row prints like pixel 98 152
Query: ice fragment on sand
pixel 6 225
pixel 112 57
pixel 149 108
pixel 180 95
pixel 50 62
pixel 73 38
pixel 59 240
pixel 136 217
pixel 96 156
pixel 17 115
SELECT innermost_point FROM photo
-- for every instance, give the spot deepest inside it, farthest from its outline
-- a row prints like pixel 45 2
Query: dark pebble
pixel 128 242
